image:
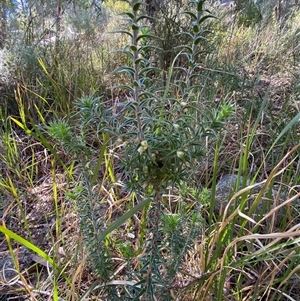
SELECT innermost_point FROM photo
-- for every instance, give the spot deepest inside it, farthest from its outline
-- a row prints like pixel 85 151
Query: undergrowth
pixel 130 175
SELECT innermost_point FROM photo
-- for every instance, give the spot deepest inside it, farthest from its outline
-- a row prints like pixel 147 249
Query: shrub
pixel 157 136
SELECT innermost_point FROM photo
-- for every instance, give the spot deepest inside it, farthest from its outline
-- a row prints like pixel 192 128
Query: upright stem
pixel 136 68
pixel 154 222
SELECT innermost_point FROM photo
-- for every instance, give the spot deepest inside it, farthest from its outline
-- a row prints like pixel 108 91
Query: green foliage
pixel 160 134
pixel 248 13
pixel 139 158
pixel 165 132
pixel 62 133
pixel 51 65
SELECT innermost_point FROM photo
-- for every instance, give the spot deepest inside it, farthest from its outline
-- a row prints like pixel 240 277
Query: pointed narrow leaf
pixel 199 39
pixel 204 32
pixel 20 124
pixel 129 14
pixel 122 31
pixel 206 17
pixel 196 28
pixel 127 70
pixel 125 87
pixel 27 244
pixel 182 69
pixel 200 5
pixel 148 48
pixel 100 158
pixel 191 14
pixel 202 52
pixel 133 47
pixel 294 121
pixel 190 35
pixel 136 6
pixel 140 60
pixel 135 26
pixel 148 69
pixel 124 51
pixel 147 36
pixel 144 17
pixel 136 84
pixel 189 50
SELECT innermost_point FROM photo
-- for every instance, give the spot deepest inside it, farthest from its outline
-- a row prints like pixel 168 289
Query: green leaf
pixel 193 76
pixel 185 34
pixel 206 17
pixel 135 26
pixel 122 31
pixel 294 121
pixel 133 47
pixel 140 60
pixel 100 158
pixel 190 51
pixel 148 48
pixel 202 52
pixel 146 36
pixel 192 15
pixel 199 39
pixel 36 134
pixel 148 69
pixel 224 112
pixel 21 125
pixel 129 14
pixel 124 51
pixel 200 5
pixel 28 245
pixel 136 6
pixel 185 95
pixel 126 87
pixel 148 95
pixel 122 220
pixel 192 64
pixel 125 69
pixel 144 17
pixel 196 28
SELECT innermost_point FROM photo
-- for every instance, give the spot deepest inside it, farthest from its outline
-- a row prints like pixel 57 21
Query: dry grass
pixel 236 256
